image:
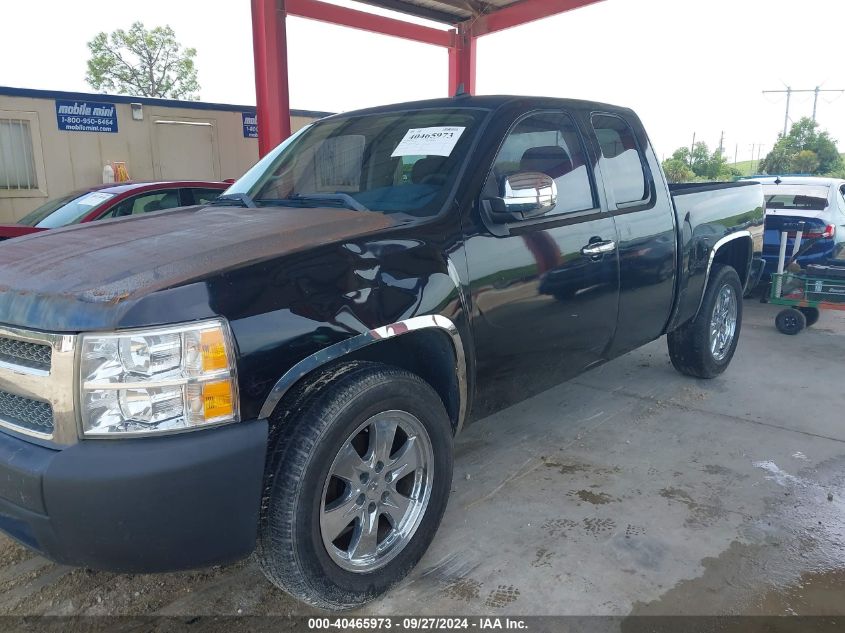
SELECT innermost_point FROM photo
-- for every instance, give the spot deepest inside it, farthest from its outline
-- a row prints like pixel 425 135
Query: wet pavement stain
pixel 596 498
pixel 542 559
pixel 564 468
pixel 634 530
pixel 502 596
pixel 556 527
pixel 715 469
pixel 701 514
pixel 788 560
pixel 815 593
pixel 597 527
pixel 465 590
pixel 676 494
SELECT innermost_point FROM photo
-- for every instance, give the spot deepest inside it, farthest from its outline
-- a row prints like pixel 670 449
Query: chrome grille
pixel 26 413
pixel 24 353
pixel 37 384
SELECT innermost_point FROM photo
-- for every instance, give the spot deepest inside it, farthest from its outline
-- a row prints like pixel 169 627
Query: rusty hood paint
pixel 80 277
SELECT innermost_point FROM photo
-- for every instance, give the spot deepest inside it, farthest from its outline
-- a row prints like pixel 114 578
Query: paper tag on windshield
pixel 94 198
pixel 429 141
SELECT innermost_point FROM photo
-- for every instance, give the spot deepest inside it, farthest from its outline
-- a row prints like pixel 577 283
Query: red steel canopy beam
pixel 522 13
pixel 334 14
pixel 462 64
pixel 270 47
pixel 269 43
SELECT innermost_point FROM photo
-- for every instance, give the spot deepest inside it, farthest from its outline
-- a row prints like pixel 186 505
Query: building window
pixel 17 160
pixel 22 172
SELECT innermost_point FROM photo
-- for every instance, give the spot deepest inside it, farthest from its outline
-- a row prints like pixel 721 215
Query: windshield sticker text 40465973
pixel 429 141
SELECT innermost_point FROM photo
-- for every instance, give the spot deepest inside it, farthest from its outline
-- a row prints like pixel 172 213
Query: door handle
pixel 595 249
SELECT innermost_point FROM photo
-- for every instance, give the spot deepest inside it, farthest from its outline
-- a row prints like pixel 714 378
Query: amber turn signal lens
pixel 217 399
pixel 213 349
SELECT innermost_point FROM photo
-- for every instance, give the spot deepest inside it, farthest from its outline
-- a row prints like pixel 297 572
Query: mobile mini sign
pixel 250 121
pixel 86 116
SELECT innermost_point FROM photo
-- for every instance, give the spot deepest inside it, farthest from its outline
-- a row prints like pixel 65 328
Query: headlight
pixel 157 380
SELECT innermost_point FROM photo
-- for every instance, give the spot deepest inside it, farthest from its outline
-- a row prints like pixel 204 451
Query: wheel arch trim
pixel 719 244
pixel 333 352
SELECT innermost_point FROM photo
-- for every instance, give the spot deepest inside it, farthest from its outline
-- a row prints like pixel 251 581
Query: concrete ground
pixel 630 490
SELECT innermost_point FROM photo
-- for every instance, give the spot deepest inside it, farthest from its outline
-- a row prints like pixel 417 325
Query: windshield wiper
pixel 243 198
pixel 345 198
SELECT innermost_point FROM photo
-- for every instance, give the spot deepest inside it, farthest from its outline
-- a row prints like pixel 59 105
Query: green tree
pixel 788 153
pixel 805 162
pixel 700 158
pixel 697 165
pixel 677 170
pixel 148 63
pixel 778 161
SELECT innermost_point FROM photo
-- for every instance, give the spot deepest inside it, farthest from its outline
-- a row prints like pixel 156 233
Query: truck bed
pixel 708 212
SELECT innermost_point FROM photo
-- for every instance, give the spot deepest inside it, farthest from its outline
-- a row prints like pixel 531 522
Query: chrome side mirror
pixel 524 195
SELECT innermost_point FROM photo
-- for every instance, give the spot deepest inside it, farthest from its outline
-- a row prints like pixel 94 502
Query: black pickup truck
pixel 283 371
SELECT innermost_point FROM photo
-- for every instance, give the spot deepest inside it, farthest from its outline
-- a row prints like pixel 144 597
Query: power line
pixel 789 92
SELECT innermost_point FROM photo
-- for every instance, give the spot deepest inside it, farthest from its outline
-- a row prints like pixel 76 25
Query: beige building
pixel 52 143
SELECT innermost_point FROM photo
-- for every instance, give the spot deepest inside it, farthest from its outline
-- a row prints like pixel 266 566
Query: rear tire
pixel 347 513
pixel 704 347
pixel 790 321
pixel 811 315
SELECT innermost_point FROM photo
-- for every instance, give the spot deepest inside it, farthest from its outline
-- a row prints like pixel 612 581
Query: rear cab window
pixel 622 162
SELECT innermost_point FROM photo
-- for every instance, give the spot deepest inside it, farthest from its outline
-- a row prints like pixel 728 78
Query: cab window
pixel 549 143
pixel 622 160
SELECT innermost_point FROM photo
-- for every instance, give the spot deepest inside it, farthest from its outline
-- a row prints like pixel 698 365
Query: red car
pixel 113 201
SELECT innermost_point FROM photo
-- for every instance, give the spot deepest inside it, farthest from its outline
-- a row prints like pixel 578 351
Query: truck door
pixel 544 288
pixel 645 225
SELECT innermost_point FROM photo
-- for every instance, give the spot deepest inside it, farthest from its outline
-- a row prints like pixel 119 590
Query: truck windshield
pixel 403 162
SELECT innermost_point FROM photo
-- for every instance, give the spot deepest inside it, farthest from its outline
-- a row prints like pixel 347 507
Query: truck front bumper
pixel 137 505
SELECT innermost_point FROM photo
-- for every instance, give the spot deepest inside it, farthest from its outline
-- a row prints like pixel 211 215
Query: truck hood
pixel 77 278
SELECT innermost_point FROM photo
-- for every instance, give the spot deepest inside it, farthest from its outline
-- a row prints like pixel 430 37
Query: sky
pixel 685 67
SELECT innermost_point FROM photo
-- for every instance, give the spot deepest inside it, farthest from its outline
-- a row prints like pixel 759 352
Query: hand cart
pixel 807 292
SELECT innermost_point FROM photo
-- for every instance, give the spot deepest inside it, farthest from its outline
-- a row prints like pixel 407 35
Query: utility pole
pixel 691 149
pixel 736 152
pixel 758 148
pixel 722 143
pixel 789 92
pixel 786 118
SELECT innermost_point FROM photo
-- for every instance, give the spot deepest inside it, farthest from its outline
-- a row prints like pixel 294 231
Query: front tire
pixel 357 481
pixel 704 347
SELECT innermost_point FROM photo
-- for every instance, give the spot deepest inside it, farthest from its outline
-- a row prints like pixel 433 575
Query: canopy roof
pixel 471 17
pixel 447 11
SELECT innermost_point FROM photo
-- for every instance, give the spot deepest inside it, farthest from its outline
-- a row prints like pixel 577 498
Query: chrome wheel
pixel 723 323
pixel 377 491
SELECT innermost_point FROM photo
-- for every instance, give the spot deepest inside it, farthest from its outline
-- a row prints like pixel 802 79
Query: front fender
pixel 323 305
pixel 337 351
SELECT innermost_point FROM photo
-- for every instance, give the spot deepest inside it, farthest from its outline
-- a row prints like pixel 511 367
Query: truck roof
pixel 487 102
